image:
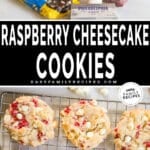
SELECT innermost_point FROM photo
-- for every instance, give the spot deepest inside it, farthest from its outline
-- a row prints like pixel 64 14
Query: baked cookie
pixel 85 124
pixel 133 130
pixel 30 121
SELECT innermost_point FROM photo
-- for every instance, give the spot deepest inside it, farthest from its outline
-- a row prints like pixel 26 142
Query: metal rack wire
pixel 115 109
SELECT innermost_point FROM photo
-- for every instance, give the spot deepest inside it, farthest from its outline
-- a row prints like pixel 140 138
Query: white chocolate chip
pixel 7 118
pixel 127 139
pixel 82 134
pixel 130 125
pixel 141 148
pixel 94 102
pixel 88 125
pixel 39 109
pixel 19 116
pixel 72 88
pixel 80 112
pixel 89 134
pixel 25 108
pixel 144 118
pixel 103 91
pixel 35 126
pixel 83 91
pixel 102 131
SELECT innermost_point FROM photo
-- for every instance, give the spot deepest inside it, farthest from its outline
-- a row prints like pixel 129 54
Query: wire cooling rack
pixel 115 109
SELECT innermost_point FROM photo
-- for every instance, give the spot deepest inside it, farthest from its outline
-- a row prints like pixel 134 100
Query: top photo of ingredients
pixel 74 10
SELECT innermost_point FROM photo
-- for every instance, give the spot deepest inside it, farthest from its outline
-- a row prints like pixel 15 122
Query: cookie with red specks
pixel 30 121
pixel 85 124
pixel 133 130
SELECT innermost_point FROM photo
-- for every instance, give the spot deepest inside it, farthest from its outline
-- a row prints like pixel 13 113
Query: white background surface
pixel 112 92
pixel 133 10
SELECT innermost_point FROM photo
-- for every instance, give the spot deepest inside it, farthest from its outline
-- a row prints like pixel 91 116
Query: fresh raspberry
pixel 147 143
pixel 39 135
pixel 116 129
pixel 14 105
pixel 67 110
pixel 84 122
pixel 77 124
pixel 35 102
pixel 45 121
pixel 14 113
pixel 23 123
pixel 82 102
pixel 138 127
pixel 137 134
pixel 117 135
